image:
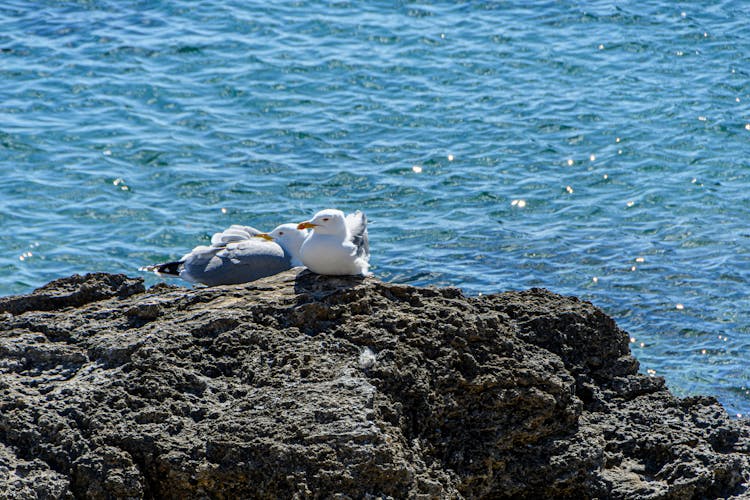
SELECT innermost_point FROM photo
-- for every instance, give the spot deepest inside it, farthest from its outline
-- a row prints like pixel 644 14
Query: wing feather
pixel 237 262
pixel 232 234
pixel 356 223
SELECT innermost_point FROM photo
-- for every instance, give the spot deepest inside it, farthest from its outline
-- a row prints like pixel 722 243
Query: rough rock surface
pixel 303 386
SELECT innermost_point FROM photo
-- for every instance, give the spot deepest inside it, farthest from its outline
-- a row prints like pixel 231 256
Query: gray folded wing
pixel 236 262
pixel 233 233
pixel 357 225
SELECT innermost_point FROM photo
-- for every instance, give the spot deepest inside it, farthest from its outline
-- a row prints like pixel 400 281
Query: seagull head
pixel 288 234
pixel 288 237
pixel 328 221
pixel 285 235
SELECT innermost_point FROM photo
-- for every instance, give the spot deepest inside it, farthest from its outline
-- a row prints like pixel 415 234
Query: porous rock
pixel 304 386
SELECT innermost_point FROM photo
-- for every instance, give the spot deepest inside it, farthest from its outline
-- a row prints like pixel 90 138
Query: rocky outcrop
pixel 304 386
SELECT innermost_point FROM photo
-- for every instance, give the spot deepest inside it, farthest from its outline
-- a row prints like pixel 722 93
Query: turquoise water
pixel 595 149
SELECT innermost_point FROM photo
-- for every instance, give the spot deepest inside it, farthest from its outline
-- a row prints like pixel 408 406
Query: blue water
pixel 599 149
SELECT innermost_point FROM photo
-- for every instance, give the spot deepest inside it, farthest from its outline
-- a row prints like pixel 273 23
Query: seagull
pixel 238 254
pixel 337 244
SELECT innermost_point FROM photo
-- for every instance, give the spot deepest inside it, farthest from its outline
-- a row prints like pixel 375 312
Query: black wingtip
pixel 172 268
pixel 169 268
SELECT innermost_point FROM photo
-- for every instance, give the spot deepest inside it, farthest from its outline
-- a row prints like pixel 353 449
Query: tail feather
pixel 168 268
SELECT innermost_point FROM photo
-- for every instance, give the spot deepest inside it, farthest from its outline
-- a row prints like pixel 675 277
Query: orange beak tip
pixel 265 236
pixel 305 225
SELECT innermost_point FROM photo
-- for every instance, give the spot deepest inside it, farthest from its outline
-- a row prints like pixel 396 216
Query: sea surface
pixel 598 149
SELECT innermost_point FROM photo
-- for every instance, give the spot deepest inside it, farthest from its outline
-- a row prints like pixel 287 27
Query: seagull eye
pixel 281 233
pixel 325 219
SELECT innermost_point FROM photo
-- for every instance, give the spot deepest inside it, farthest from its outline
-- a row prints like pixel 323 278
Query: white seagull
pixel 337 245
pixel 238 254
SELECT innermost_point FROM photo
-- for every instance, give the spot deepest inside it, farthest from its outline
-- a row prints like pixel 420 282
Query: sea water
pixel 598 149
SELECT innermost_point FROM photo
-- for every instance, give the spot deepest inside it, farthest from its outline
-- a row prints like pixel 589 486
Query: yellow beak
pixel 306 225
pixel 265 236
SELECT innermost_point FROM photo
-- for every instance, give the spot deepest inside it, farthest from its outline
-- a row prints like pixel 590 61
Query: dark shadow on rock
pixel 312 286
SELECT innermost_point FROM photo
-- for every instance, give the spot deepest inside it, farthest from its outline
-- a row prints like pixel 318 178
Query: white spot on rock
pixel 367 359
